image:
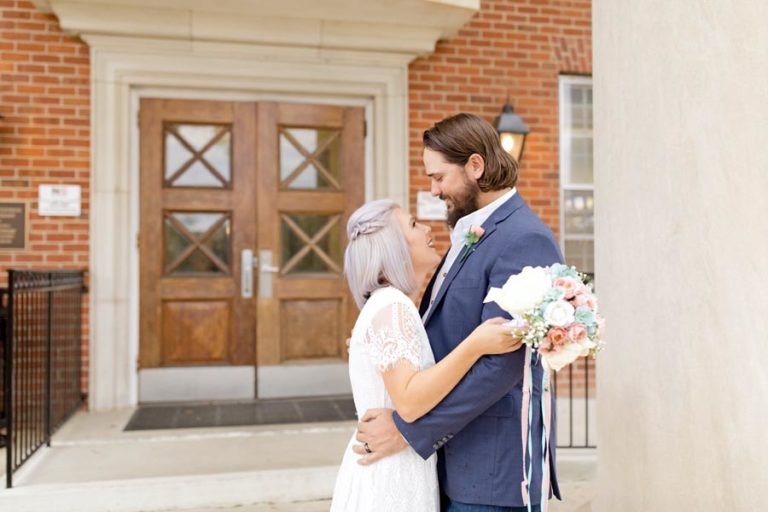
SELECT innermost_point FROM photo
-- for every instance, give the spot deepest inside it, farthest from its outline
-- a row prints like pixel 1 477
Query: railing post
pixel 9 385
pixel 49 365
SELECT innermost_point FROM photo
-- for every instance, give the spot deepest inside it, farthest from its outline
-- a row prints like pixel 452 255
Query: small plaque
pixel 59 200
pixel 429 207
pixel 13 226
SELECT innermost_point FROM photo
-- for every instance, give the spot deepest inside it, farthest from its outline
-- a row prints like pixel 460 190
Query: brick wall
pixel 511 47
pixel 44 136
pixel 515 48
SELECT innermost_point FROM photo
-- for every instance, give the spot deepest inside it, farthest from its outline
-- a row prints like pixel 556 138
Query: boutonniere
pixel 471 237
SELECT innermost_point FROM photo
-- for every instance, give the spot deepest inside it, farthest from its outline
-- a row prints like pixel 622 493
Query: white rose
pixel 559 313
pixel 558 359
pixel 522 291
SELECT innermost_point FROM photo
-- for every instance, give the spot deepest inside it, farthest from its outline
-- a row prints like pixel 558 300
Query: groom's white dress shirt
pixel 476 218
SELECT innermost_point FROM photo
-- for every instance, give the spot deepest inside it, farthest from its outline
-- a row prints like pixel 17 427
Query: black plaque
pixel 13 225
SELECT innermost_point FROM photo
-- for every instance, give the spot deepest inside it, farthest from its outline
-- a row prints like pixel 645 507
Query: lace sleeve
pixel 393 336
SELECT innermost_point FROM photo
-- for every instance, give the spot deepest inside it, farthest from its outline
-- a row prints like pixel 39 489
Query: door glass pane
pixel 301 168
pixel 197 176
pixel 197 263
pixel 183 229
pixel 211 169
pixel 579 213
pixel 175 243
pixel 218 242
pixel 197 223
pixel 323 255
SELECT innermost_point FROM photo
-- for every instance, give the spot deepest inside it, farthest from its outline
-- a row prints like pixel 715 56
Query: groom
pixel 480 430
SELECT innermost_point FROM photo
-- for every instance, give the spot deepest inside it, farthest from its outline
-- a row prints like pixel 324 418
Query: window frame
pixel 564 133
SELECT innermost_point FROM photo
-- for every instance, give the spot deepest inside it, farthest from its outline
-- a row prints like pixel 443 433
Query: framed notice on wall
pixel 13 226
pixel 59 200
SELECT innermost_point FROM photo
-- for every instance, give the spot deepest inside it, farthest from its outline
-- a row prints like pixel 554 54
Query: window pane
pixel 581 161
pixel 197 176
pixel 581 254
pixel 218 243
pixel 322 171
pixel 175 243
pixel 197 226
pixel 197 263
pixel 579 212
pixel 216 174
pixel 198 223
pixel 329 245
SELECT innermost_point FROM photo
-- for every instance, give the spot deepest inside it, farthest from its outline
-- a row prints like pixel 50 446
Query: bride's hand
pixel 495 336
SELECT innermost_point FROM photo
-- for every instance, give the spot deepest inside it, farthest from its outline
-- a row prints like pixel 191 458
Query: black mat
pixel 258 412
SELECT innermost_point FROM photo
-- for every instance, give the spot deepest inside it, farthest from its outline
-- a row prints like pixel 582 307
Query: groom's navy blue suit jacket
pixel 477 428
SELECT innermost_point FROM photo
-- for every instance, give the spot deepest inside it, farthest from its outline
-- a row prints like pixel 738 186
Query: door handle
pixel 246 273
pixel 266 269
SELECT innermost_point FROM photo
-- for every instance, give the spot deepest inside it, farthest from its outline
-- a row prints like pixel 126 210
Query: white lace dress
pixel 388 330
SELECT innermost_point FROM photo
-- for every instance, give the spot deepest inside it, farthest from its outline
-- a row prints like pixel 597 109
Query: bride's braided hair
pixel 377 254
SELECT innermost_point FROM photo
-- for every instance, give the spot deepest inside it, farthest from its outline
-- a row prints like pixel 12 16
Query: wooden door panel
pixel 311 195
pixel 310 329
pixel 187 288
pixel 296 202
pixel 196 332
pixel 192 230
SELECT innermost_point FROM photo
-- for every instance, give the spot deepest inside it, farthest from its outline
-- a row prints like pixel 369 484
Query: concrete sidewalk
pixel 94 466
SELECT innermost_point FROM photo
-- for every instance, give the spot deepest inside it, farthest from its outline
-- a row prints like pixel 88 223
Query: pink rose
pixel 577 332
pixel 585 300
pixel 544 347
pixel 557 335
pixel 570 286
pixel 477 231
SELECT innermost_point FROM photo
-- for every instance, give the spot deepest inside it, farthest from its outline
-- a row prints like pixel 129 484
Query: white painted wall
pixel 681 186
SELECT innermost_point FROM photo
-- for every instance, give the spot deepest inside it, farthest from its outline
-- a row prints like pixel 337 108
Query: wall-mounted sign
pixel 429 207
pixel 59 200
pixel 13 226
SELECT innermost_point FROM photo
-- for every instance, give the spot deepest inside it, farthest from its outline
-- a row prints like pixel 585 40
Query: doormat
pixel 257 412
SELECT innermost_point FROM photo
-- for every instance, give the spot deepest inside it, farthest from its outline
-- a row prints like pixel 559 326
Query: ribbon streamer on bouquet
pixel 527 395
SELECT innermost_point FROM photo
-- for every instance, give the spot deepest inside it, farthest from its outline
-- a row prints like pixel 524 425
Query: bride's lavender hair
pixel 377 254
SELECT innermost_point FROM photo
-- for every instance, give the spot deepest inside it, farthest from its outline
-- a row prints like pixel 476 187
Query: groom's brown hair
pixel 459 137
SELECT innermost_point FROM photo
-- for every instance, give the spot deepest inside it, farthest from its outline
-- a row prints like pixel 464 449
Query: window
pixel 576 180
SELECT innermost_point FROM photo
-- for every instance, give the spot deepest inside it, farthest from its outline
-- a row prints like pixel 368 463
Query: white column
pixel 681 186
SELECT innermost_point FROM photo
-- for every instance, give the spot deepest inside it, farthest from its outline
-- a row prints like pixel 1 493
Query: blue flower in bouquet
pixel 586 316
pixel 560 270
pixel 554 294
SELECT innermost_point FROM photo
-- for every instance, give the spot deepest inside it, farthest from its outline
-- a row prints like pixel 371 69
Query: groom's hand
pixel 377 428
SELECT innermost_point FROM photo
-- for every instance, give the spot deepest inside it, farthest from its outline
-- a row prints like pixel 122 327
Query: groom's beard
pixel 463 203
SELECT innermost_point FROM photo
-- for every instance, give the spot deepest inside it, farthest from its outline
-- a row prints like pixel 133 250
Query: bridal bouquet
pixel 556 310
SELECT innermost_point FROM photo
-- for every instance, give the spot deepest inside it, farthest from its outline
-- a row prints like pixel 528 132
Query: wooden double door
pixel 243 213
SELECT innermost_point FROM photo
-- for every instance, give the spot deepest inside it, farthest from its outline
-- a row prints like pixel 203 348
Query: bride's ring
pixel 367 448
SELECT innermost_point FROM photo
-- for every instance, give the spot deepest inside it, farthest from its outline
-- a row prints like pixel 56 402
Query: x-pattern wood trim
pixel 310 158
pixel 196 243
pixel 311 244
pixel 197 155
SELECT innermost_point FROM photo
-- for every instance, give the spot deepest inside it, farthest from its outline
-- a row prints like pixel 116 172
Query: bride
pixel 390 359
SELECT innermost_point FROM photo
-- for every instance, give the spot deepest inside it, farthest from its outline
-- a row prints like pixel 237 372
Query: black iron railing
pixel 41 359
pixel 576 404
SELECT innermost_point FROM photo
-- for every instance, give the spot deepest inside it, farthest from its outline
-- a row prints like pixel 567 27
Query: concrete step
pixel 93 465
pixel 176 493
